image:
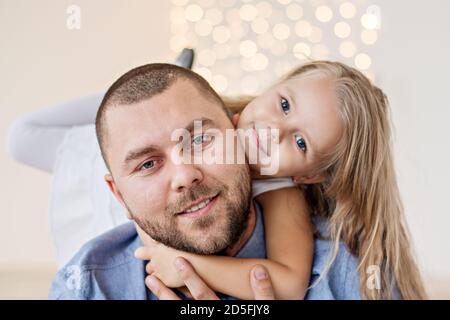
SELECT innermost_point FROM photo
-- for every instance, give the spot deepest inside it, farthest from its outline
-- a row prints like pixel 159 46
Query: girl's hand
pixel 161 263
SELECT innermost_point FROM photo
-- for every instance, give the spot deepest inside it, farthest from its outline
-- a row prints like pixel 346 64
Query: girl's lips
pixel 202 212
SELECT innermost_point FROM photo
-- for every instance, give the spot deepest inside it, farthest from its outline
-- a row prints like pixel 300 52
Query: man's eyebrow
pixel 138 153
pixel 206 122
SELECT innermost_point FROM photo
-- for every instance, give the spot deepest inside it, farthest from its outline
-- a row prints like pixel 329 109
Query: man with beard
pixel 199 207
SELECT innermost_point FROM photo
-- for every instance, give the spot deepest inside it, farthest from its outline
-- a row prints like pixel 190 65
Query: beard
pixel 237 199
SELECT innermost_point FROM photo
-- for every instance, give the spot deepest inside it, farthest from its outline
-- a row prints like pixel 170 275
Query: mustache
pixel 192 195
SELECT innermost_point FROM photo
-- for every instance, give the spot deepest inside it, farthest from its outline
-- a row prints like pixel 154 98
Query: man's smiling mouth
pixel 199 208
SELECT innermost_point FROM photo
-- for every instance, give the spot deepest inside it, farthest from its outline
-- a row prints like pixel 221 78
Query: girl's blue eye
pixel 301 143
pixel 148 165
pixel 285 105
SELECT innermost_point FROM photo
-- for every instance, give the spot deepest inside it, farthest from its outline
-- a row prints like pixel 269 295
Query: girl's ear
pixel 235 119
pixel 112 186
pixel 317 178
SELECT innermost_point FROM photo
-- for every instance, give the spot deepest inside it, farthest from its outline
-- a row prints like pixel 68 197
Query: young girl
pixel 335 142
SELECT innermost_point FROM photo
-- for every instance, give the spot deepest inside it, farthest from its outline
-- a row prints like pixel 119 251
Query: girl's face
pixel 305 111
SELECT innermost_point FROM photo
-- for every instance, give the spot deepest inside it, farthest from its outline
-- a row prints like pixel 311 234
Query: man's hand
pixel 260 282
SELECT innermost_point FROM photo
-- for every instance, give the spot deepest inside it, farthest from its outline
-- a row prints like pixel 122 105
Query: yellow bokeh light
pixel 264 9
pixel 248 48
pixel 193 12
pixel 363 61
pixel 294 11
pixel 347 49
pixel 342 29
pixel 248 12
pixel 302 50
pixel 232 16
pixel 221 34
pixel 284 1
pixel 347 10
pixel 369 37
pixel 177 15
pixel 260 25
pixel 281 31
pixel 324 14
pixel 259 61
pixel 203 28
pixel 214 16
pixel 238 30
pixel 303 29
pixel 369 21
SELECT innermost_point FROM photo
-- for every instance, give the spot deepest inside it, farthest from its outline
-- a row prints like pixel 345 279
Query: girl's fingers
pixel 197 287
pixel 143 253
pixel 149 268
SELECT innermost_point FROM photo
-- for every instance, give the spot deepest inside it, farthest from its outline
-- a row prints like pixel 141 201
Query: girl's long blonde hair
pixel 360 197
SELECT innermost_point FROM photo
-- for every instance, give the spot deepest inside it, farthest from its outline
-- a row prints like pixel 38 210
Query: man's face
pixel 201 208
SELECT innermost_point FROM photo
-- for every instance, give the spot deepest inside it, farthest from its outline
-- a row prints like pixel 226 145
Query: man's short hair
pixel 143 83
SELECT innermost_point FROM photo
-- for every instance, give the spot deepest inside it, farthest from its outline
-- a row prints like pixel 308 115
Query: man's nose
pixel 185 177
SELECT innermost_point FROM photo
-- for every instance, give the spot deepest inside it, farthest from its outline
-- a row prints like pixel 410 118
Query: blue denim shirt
pixel 105 268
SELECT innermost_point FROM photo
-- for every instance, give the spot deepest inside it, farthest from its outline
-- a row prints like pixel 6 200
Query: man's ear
pixel 235 119
pixel 317 178
pixel 112 186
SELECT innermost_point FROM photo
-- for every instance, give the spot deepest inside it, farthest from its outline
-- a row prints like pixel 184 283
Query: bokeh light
pixel 324 14
pixel 243 46
pixel 281 31
pixel 294 11
pixel 342 29
pixel 347 10
pixel 363 61
pixel 193 12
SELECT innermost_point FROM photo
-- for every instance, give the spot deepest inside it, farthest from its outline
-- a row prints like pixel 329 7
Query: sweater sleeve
pixel 34 138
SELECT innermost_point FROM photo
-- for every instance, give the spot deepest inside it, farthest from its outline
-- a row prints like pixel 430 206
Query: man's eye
pixel 285 105
pixel 301 143
pixel 202 139
pixel 148 165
